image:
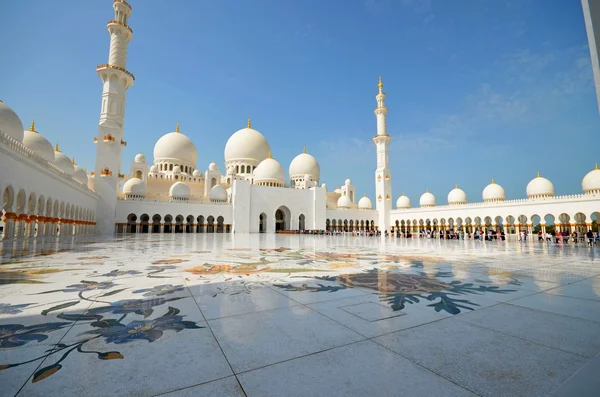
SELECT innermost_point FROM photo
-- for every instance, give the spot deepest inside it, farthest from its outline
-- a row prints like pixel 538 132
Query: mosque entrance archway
pixel 282 219
pixel 220 224
pixel 262 223
pixel 131 226
pixel 301 222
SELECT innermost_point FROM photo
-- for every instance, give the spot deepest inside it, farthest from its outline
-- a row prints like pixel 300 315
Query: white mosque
pixel 45 193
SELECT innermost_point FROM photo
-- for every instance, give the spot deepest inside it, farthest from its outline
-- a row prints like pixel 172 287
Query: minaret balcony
pixel 115 22
pixel 115 67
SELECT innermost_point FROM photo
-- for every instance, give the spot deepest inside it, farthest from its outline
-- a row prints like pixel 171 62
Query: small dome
pixel 197 174
pixel 38 144
pixel 403 202
pixel 269 170
pixel 79 174
pixel 348 182
pixel 457 196
pixel 364 203
pixel 175 146
pixel 134 186
pixel 493 192
pixel 213 167
pixel 63 162
pixel 324 186
pixel 177 170
pixel 179 190
pixel 218 193
pixel 247 144
pixel 304 164
pixel 591 181
pixel 427 199
pixel 154 168
pixel 540 187
pixel 344 202
pixel 10 123
pixel 140 158
pixel 338 191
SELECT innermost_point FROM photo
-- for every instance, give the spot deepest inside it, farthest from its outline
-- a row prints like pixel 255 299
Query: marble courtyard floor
pixel 266 315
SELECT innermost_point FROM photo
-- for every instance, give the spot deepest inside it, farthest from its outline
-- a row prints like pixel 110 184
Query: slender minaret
pixel 115 82
pixel 383 176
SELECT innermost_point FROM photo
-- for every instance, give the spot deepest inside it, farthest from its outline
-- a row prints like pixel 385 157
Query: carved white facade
pixel 47 193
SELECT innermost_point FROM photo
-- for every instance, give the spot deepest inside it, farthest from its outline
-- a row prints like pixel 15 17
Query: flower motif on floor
pixel 160 290
pixel 399 289
pixel 113 331
pixel 6 308
pixel 84 286
pixel 15 335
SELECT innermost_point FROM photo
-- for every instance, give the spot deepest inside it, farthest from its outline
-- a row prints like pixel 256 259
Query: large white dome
pixel 365 203
pixel 179 190
pixel 344 202
pixel 79 174
pixel 457 196
pixel 40 145
pixel 134 186
pixel 493 192
pixel 540 187
pixel 175 147
pixel 403 202
pixel 247 144
pixel 427 199
pixel 269 170
pixel 63 162
pixel 218 193
pixel 10 123
pixel 304 164
pixel 591 181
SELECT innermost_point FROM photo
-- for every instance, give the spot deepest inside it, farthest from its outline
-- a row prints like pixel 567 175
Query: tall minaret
pixel 383 176
pixel 115 82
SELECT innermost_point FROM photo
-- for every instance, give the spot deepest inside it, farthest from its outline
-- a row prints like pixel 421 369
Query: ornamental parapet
pixel 120 23
pixel 109 66
pixel 24 151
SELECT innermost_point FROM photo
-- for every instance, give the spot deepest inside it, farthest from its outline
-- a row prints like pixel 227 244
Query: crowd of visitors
pixel 575 237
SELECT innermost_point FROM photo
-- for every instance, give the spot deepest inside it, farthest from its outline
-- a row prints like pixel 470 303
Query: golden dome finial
pixel 56 147
pixel 177 128
pixel 270 154
pixel 456 186
pixel 304 151
pixel 380 85
pixel 596 167
pixel 538 175
pixel 32 128
pixel 493 181
pixel 426 190
pixel 85 169
pixel 73 161
pixel 365 195
pixel 249 122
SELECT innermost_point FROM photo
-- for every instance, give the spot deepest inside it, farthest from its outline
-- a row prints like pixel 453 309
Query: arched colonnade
pixel 33 214
pixel 157 223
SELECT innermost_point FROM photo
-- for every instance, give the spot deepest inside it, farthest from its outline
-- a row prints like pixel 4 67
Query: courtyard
pixel 297 315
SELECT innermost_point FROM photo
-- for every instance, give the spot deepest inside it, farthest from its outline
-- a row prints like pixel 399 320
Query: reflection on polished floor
pixel 274 315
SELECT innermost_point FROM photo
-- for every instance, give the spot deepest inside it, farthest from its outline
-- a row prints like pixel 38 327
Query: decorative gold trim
pixel 109 66
pixel 249 123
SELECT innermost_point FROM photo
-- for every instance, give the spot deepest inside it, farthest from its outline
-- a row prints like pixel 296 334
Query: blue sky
pixel 475 89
